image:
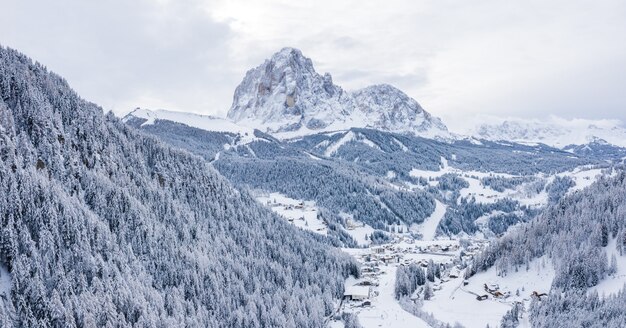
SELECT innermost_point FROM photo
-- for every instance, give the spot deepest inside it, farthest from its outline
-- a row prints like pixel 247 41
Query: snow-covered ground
pixel 5 281
pixel 615 282
pixel 428 228
pixel 203 122
pixel 582 176
pixel 358 230
pixel 458 303
pixel 302 214
pixel 385 311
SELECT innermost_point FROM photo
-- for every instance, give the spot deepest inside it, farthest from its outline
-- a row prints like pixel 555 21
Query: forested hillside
pixel 101 225
pixel 577 234
pixel 369 174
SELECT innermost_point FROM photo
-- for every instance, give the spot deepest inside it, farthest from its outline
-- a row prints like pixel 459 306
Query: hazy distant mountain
pixel 286 95
pixel 554 132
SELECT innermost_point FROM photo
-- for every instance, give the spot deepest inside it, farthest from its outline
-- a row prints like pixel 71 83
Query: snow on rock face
pixel 388 108
pixel 286 94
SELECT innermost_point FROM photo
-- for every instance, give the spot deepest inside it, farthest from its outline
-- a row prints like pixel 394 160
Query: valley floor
pixel 455 299
pixel 451 303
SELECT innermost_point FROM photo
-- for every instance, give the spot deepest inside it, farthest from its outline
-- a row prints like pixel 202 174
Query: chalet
pixel 367 269
pixel 454 273
pixel 378 250
pixel 351 225
pixel 391 259
pixel 492 288
pixel 357 293
pixel 482 297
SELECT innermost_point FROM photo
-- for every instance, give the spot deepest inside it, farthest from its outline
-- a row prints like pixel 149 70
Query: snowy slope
pixel 457 303
pixel 5 281
pixel 385 311
pixel 302 214
pixel 428 228
pixel 285 95
pixel 616 281
pixel 554 131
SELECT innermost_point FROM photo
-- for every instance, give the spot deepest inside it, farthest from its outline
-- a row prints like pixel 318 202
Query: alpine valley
pixel 306 206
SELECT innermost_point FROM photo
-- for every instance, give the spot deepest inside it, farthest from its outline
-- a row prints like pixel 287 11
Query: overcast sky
pixel 460 59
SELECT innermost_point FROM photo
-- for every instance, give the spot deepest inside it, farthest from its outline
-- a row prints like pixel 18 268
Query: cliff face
pixel 286 94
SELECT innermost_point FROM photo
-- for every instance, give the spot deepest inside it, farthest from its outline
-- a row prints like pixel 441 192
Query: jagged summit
pixel 286 95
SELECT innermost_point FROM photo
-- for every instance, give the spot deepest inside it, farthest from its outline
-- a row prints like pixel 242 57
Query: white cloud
pixel 458 59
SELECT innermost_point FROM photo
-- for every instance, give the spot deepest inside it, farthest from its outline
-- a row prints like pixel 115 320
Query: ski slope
pixel 428 228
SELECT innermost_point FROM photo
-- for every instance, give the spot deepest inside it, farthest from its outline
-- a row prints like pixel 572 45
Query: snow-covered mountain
pixel 286 95
pixel 554 131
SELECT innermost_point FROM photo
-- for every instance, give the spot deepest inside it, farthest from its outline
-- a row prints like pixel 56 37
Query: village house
pixel 357 293
pixel 454 273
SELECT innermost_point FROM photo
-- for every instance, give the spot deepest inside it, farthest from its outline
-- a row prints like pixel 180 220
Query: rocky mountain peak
pixel 286 94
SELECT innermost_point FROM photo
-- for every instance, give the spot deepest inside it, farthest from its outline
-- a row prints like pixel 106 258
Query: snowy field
pixel 582 176
pixel 428 228
pixel 302 214
pixel 482 194
pixel 358 230
pixel 457 303
pixel 203 122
